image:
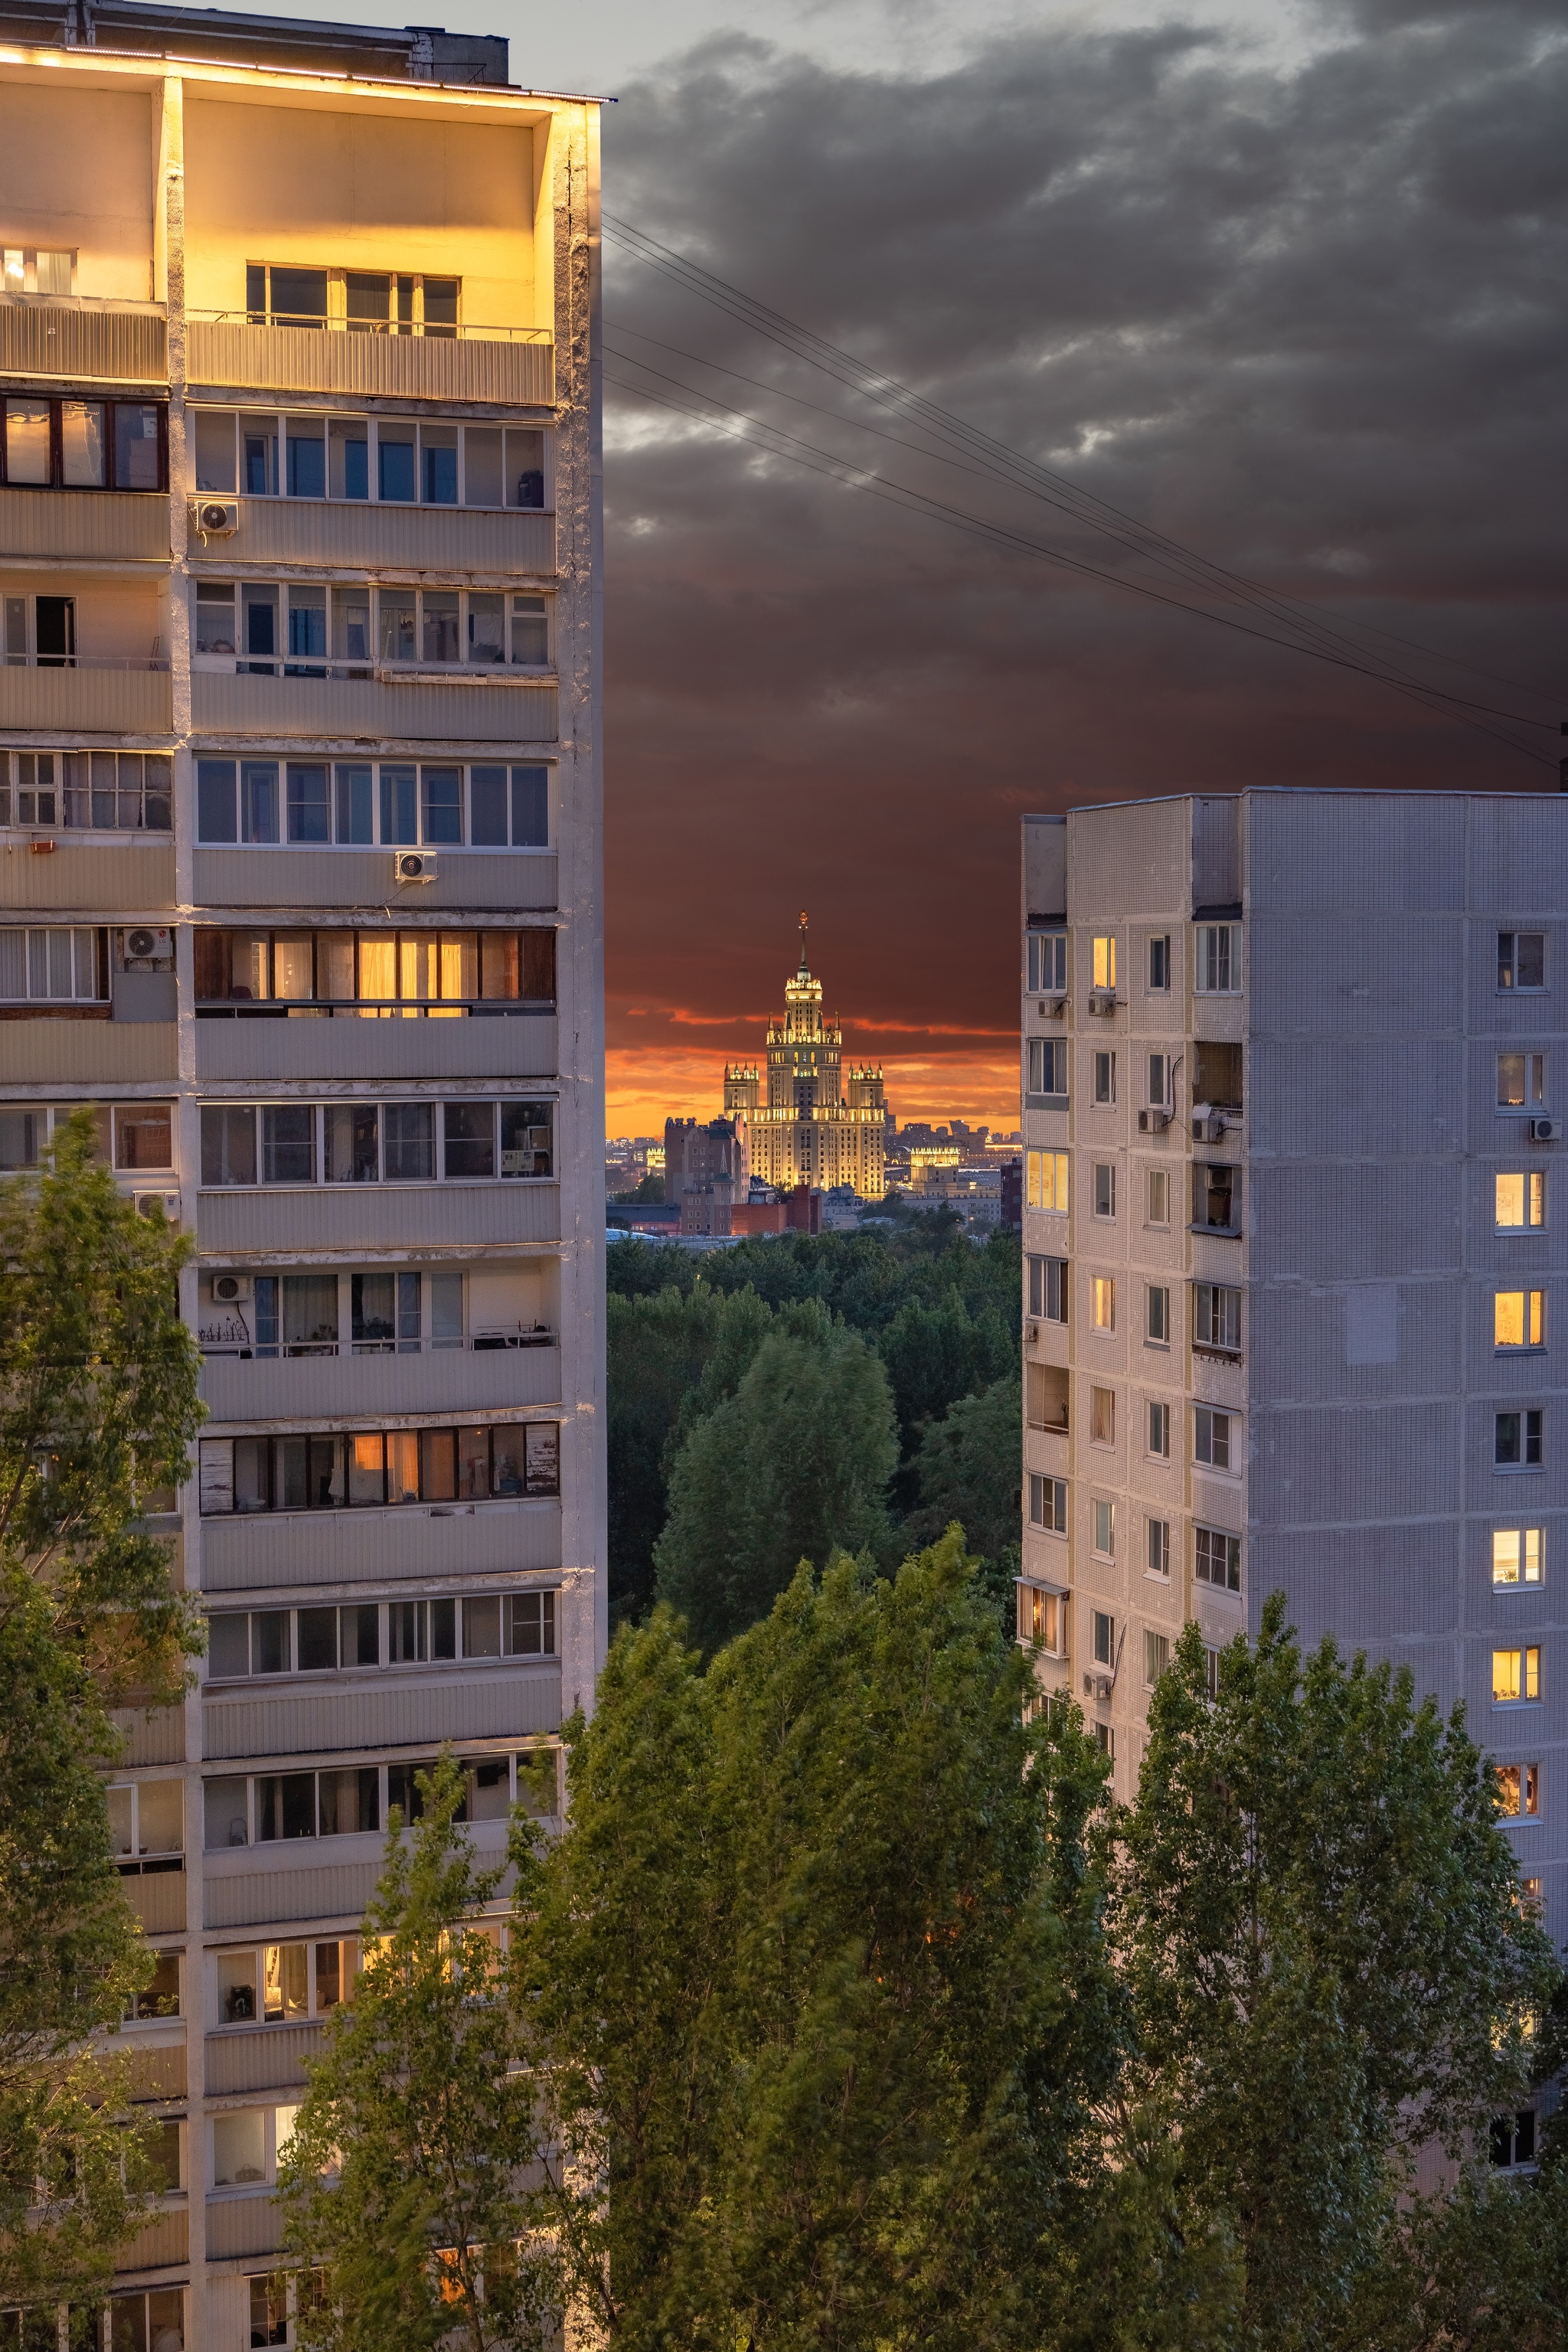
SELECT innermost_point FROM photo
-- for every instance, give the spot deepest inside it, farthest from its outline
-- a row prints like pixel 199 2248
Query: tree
pixel 407 2191
pixel 967 1470
pixel 794 1463
pixel 1316 1916
pixel 818 1976
pixel 98 1404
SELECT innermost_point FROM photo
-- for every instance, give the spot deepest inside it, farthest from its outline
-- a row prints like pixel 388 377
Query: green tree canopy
pixel 817 1970
pixel 968 1470
pixel 794 1463
pixel 98 1405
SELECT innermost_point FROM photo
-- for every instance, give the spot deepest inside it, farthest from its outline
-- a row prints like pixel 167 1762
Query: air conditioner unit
pixel 1546 1130
pixel 1052 1007
pixel 144 943
pixel 155 1204
pixel 1096 1686
pixel 1032 1334
pixel 215 518
pixel 1208 1130
pixel 413 866
pixel 232 1289
pixel 1153 1122
pixel 1102 1000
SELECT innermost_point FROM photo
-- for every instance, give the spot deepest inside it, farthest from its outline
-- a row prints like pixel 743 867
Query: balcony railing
pixel 419 330
pixel 480 1343
pixel 513 366
pixel 78 343
pixel 87 697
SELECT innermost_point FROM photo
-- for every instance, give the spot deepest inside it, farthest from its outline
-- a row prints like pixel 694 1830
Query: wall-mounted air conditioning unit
pixel 1096 1686
pixel 413 866
pixel 142 944
pixel 1209 1129
pixel 1546 1130
pixel 156 1204
pixel 215 518
pixel 1153 1122
pixel 1052 1007
pixel 232 1289
pixel 1102 1000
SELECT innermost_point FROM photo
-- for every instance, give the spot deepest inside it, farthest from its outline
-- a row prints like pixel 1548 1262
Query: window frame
pixel 1532 1197
pixel 1046 1279
pixel 1528 1559
pixel 1221 1551
pixel 1046 962
pixel 1511 957
pixel 1218 959
pixel 537 1442
pixel 1051 1494
pixel 110 486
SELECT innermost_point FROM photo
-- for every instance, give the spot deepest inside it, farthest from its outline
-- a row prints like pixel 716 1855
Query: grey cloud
pixel 1308 319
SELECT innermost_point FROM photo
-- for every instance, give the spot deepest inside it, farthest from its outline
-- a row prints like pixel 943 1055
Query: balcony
pixel 89 1053
pixel 445 539
pixel 248 1222
pixel 80 342
pixel 97 526
pixel 524 879
pixel 513 367
pixel 264 2058
pixel 324 1387
pixel 80 874
pixel 510 1700
pixel 248 1051
pixel 83 698
pixel 441 708
pixel 377 1548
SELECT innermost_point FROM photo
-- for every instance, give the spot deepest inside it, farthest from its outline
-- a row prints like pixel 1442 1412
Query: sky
pixel 1279 283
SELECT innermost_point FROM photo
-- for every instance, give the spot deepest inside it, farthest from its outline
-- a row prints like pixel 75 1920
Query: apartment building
pixel 301 861
pixel 1295 1067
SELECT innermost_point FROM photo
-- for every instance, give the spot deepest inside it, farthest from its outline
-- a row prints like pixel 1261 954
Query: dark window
pixel 1216 1195
pixel 286 1805
pixel 443 796
pixel 410 1143
pixel 269 1641
pixel 1516 1443
pixel 299 297
pixel 1521 959
pixel 1048 1288
pixel 469 1134
pixel 318 1639
pixel 309 811
pixel 1160 963
pixel 229 1146
pixel 1513 2139
pixel 394 469
pixel 1217 1559
pixel 530 808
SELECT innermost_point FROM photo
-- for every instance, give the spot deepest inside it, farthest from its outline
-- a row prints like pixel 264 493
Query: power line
pixel 840 470
pixel 996 460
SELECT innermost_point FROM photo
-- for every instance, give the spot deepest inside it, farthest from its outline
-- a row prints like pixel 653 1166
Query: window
pixel 370 1469
pixel 1043 1619
pixel 375 1142
pixel 1047 1070
pixel 1102 1416
pixel 269 2309
pixel 1517 1440
pixel 154 2322
pixel 1516 1676
pixel 1518 1555
pixel 1104 1527
pixel 1159 1431
pixel 1048 1288
pixel 268 1806
pixel 26 269
pixel 159 1997
pixel 1518 1318
pixel 1218 959
pixel 101 791
pixel 1217 1074
pixel 1216 1318
pixel 145 1818
pixel 54 966
pixel 280 1984
pixel 84 445
pixel 1045 1396
pixel 1157 1315
pixel 1102 1638
pixel 1105 1741
pixel 1047 963
pixel 1520 961
pixel 313 629
pixel 1518 1791
pixel 1047 1173
pixel 248 2144
pixel 1048 1504
pixel 1103 1068
pixel 361 803
pixel 1159 1548
pixel 1217 1559
pixel 1160 963
pixel 1103 1302
pixel 1213 1436
pixel 1104 1189
pixel 1513 2139
pixel 1216 1197
pixel 1520 1081
pixel 1156 1655
pixel 358 301
pixel 1157 1197
pixel 410 968
pixel 1103 963
pixel 1159 1081
pixel 1521 1201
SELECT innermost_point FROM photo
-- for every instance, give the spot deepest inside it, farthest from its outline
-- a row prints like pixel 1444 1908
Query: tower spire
pixel 803 963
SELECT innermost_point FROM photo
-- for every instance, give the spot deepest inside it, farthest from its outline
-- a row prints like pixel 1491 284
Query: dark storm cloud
pixel 1306 317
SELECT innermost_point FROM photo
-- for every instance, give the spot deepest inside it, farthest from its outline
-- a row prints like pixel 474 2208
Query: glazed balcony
pixel 509 366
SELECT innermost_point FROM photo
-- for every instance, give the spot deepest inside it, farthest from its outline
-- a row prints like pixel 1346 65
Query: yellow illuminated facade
pixel 823 1122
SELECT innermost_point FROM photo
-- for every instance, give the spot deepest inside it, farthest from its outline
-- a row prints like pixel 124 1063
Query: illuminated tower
pixel 820 1125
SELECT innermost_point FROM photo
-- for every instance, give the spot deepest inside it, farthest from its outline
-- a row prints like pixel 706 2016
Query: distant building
pixel 1012 1208
pixel 706 1172
pixel 824 1122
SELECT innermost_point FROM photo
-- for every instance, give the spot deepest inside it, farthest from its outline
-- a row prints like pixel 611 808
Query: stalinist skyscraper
pixel 823 1121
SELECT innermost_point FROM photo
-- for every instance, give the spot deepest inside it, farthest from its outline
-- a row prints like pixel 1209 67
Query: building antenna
pixel 803 967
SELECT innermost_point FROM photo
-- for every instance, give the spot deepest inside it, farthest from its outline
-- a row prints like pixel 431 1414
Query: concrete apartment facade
pixel 299 851
pixel 1296 1198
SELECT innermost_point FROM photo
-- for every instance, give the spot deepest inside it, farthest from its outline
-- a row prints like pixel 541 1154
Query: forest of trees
pixel 771 1402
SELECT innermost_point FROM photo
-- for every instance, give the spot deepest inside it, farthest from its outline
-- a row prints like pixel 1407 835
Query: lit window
pixel 1518 1318
pixel 1047 1180
pixel 1103 1302
pixel 1043 1619
pixel 1104 964
pixel 1519 1790
pixel 1520 1081
pixel 1105 1529
pixel 1517 1555
pixel 1520 1200
pixel 1516 1676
